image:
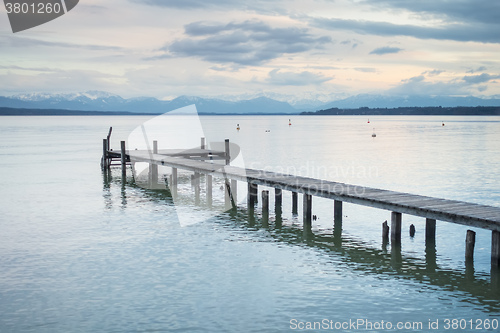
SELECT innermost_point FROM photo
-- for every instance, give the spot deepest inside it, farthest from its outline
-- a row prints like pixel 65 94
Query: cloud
pixel 481 78
pixel 458 32
pixel 386 50
pixel 295 79
pixel 25 42
pixel 188 4
pixel 466 85
pixel 246 43
pixel 261 5
pixel 31 69
pixel 434 72
pixel 365 69
pixel 479 69
pixel 65 80
pixel 472 11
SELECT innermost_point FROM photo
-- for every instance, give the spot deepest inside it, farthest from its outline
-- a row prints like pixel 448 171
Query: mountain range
pixel 103 101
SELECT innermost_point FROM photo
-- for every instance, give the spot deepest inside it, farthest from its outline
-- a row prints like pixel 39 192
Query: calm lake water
pixel 79 253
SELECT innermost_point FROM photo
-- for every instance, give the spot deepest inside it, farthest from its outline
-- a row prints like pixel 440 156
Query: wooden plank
pixel 487 217
pixel 444 202
pixel 477 210
pixel 393 198
pixel 413 200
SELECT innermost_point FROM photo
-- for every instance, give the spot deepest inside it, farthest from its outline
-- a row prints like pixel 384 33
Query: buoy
pixel 368 121
pixel 442 124
pixel 238 127
pixel 289 122
pixel 373 134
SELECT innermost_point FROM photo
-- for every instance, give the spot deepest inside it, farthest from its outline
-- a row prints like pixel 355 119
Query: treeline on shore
pixel 415 111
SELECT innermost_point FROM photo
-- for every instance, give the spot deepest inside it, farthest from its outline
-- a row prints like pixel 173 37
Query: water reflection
pixel 388 261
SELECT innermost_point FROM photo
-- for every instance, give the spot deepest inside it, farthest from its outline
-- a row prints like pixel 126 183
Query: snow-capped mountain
pixel 103 101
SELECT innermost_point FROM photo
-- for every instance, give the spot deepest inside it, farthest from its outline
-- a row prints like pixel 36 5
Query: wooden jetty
pixel 203 161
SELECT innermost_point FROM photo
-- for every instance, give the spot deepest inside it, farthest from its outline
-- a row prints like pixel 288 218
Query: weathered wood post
pixel 154 167
pixel 396 219
pixel 278 204
pixel 123 159
pixel 307 211
pixel 278 197
pixel 252 195
pixel 430 229
pixel 385 236
pixel 234 192
pixel 385 232
pixel 265 206
pixel 430 245
pixel 196 188
pixel 337 210
pixel 105 154
pixel 412 230
pixel 295 203
pixel 227 152
pixel 495 248
pixel 208 182
pixel 470 242
pixel 108 138
pixel 227 185
pixel 173 185
pixel 227 194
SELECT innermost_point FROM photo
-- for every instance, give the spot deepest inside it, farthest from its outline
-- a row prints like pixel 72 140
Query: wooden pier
pixel 204 161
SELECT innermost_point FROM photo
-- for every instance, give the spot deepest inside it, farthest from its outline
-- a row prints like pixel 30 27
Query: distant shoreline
pixel 411 111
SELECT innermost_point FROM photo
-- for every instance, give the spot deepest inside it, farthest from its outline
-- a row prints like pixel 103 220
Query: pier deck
pixel 471 214
pixel 431 208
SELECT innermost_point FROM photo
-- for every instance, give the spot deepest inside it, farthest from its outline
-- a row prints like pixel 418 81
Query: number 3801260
pixel 32 8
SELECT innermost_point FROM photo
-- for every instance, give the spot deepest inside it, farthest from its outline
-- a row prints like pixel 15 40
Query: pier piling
pixel 196 182
pixel 234 192
pixel 385 232
pixel 123 158
pixel 227 151
pixel 154 167
pixel 105 154
pixel 265 205
pixel 295 203
pixel 278 197
pixel 396 219
pixel 307 210
pixel 208 183
pixel 495 248
pixel 430 229
pixel 470 242
pixel 252 194
pixel 412 230
pixel 337 210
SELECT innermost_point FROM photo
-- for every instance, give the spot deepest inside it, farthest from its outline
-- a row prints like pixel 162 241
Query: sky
pixel 289 50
